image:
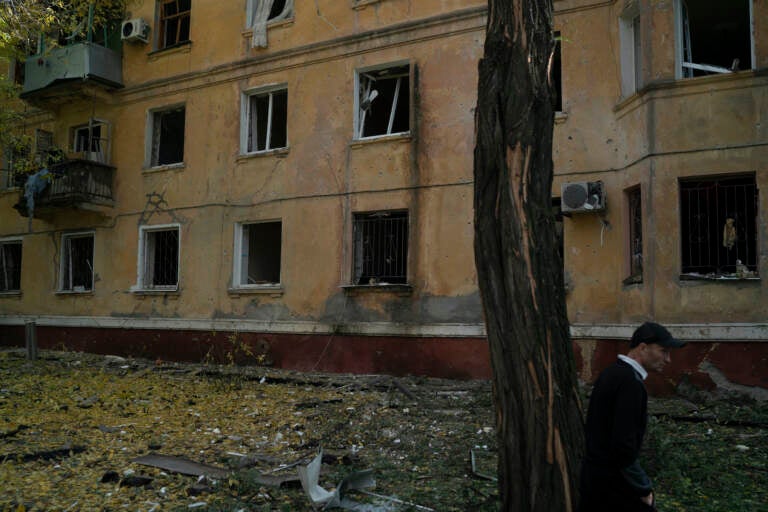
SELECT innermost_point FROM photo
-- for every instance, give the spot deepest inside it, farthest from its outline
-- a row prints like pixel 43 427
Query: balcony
pixel 70 70
pixel 78 184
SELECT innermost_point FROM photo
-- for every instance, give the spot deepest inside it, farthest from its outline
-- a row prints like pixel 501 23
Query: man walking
pixel 612 480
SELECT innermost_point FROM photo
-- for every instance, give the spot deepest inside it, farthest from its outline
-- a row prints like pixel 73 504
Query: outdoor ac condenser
pixel 582 197
pixel 134 30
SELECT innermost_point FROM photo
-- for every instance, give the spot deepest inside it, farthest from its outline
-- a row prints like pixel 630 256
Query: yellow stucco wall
pixel 667 130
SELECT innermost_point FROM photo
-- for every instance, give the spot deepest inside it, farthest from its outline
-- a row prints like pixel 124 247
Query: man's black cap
pixel 651 332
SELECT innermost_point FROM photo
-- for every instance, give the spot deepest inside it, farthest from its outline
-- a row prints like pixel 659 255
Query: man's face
pixel 655 357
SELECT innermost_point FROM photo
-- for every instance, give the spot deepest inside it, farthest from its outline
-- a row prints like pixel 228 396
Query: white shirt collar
pixel 634 364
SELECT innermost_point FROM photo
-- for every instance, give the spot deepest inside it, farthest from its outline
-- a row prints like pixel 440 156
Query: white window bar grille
pixel 161 259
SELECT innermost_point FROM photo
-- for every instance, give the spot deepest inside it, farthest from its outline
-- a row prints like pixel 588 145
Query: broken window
pixel 557 73
pixel 76 262
pixel 159 258
pixel 381 248
pixel 10 265
pixel 266 114
pixel 90 141
pixel 262 12
pixel 719 226
pixel 383 101
pixel 714 36
pixel 167 137
pixel 43 146
pixel 174 22
pixel 631 51
pixel 258 247
pixel 635 214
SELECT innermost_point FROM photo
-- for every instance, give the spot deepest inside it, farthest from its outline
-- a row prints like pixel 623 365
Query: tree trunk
pixel 539 422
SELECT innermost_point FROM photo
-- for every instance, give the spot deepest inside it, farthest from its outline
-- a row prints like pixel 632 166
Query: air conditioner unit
pixel 134 30
pixel 582 197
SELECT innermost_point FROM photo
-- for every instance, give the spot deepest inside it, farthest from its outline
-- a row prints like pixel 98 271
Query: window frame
pixel 237 256
pixel 634 265
pixel 62 287
pixel 104 140
pixel 375 281
pixel 152 155
pixel 142 278
pixel 679 39
pixel 358 119
pixel 630 43
pixel 715 229
pixel 11 241
pixel 161 23
pixel 246 100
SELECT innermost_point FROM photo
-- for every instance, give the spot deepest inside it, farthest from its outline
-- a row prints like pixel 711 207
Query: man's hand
pixel 648 500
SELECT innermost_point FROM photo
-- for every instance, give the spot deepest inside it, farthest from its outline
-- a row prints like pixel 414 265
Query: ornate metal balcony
pixel 79 184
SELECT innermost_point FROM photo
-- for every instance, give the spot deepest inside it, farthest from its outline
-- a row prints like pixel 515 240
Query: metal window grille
pixel 267 121
pixel 381 248
pixel 77 263
pixel 718 225
pixel 384 106
pixel 635 234
pixel 260 253
pixel 161 259
pixel 174 22
pixel 10 266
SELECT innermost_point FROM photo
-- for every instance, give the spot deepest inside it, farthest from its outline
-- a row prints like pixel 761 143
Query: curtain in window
pixel 261 10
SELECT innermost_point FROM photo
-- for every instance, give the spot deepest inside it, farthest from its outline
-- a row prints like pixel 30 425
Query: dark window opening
pixel 719 227
pixel 278 6
pixel 10 266
pixel 716 36
pixel 260 253
pixel 381 248
pixel 77 263
pixel 384 102
pixel 557 211
pixel 634 204
pixel 174 22
pixel 268 121
pixel 168 137
pixel 557 73
pixel 161 262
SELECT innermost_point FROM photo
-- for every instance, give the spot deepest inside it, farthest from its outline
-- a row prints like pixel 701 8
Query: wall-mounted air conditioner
pixel 582 197
pixel 134 30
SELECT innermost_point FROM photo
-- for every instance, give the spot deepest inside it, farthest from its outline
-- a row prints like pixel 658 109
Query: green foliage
pixel 709 466
pixel 22 21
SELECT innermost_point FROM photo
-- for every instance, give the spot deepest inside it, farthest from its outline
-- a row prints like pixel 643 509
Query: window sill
pixel 275 290
pixel 69 293
pixel 722 278
pixel 9 190
pixel 632 280
pixel 397 137
pixel 171 293
pixel 15 294
pixel 248 32
pixel 160 168
pixel 184 47
pixel 561 117
pixel 362 4
pixel 278 153
pixel 399 289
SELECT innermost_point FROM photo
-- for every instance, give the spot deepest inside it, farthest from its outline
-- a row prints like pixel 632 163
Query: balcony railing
pixel 73 184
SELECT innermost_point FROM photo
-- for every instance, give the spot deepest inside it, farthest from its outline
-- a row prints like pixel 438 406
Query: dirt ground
pixel 72 424
pixel 76 430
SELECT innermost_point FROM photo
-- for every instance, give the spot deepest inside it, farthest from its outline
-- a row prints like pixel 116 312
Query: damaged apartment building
pixel 290 182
